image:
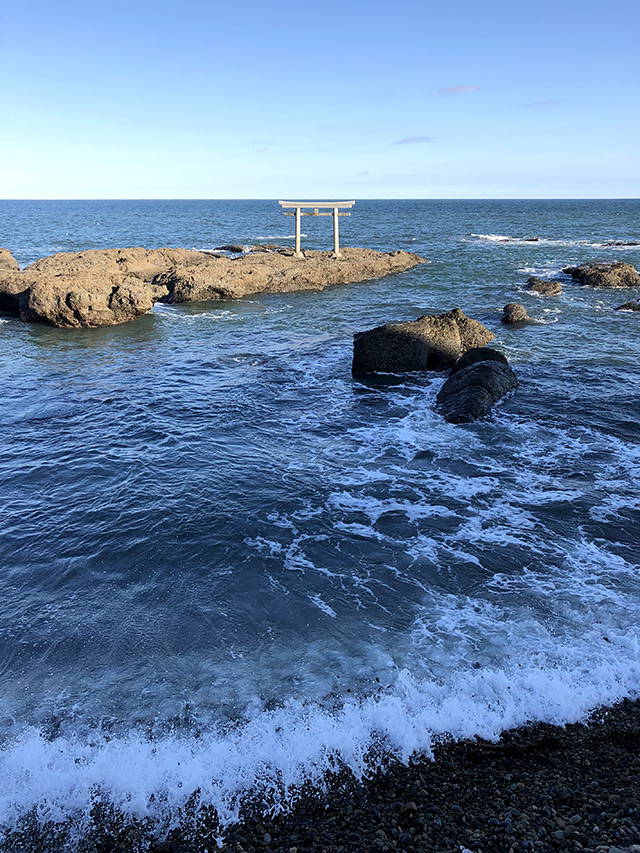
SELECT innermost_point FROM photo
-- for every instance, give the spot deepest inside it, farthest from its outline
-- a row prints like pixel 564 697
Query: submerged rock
pixel 611 274
pixel 634 305
pixel 110 286
pixel 234 249
pixel 515 313
pixel 477 381
pixel 547 288
pixel 432 342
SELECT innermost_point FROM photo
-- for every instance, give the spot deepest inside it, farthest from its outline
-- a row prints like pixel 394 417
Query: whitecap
pixel 322 605
pixel 275 752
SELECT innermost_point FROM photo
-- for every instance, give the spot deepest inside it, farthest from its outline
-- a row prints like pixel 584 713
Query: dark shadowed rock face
pixel 109 286
pixel 470 392
pixel 428 343
pixel 515 313
pixel 547 288
pixel 634 305
pixel 613 274
pixel 11 287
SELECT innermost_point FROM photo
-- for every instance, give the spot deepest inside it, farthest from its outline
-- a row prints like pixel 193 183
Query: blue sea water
pixel 226 563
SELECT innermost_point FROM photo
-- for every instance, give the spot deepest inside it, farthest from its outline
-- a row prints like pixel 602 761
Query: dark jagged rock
pixel 234 249
pixel 471 390
pixel 428 343
pixel 515 313
pixel 547 288
pixel 109 286
pixel 609 274
pixel 271 247
pixel 477 354
pixel 634 305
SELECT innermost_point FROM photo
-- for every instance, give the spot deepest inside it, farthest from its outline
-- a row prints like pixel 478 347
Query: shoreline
pixel 540 787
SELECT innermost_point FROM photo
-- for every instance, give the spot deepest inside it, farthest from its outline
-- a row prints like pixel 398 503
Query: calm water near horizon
pixel 226 562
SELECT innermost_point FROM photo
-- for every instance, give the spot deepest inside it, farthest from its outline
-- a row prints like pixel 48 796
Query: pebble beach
pixel 540 787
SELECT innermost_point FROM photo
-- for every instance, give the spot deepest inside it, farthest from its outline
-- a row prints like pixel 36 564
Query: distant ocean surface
pixel 228 565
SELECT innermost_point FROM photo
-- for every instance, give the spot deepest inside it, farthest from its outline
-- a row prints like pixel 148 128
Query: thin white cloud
pixel 259 150
pixel 458 90
pixel 366 172
pixel 413 140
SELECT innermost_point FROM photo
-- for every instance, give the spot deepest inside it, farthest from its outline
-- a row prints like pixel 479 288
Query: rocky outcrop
pixel 8 262
pixel 613 274
pixel 92 288
pixel 477 381
pixel 476 354
pixel 546 288
pixel 109 286
pixel 432 342
pixel 514 313
pixel 634 305
pixel 264 272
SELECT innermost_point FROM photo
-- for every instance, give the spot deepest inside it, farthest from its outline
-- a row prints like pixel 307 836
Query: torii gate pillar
pixel 336 233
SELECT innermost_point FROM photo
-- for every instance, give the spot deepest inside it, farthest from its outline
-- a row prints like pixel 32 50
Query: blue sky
pixel 359 99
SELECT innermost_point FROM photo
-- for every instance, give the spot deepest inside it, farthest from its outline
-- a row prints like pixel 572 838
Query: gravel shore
pixel 539 788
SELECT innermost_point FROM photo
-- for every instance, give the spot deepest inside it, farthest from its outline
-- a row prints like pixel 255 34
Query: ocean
pixel 229 567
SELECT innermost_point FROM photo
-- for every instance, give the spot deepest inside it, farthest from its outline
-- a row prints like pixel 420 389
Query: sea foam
pixel 275 752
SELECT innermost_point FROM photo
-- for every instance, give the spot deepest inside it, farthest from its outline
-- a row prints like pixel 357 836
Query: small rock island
pixel 104 287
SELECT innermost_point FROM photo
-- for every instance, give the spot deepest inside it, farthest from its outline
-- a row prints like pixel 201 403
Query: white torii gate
pixel 315 207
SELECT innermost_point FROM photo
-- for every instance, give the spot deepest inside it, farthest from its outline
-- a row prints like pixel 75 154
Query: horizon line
pixel 362 198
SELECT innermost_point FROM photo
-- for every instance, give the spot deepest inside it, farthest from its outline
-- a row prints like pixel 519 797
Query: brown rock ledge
pixel 432 342
pixel 605 274
pixel 103 287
